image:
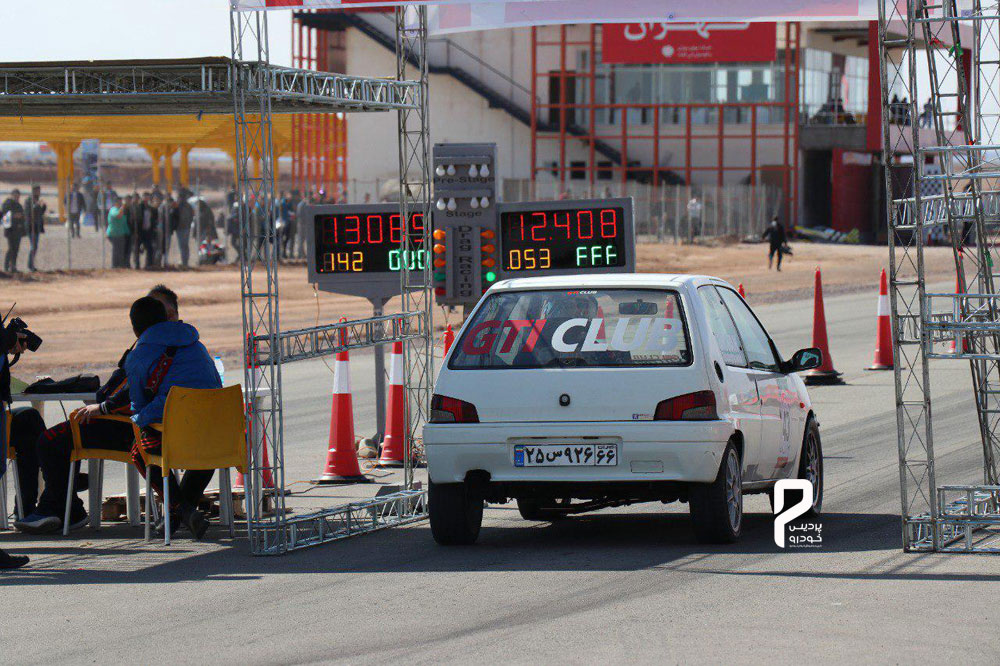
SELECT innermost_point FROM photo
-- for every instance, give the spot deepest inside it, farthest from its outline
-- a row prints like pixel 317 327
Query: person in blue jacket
pixel 166 354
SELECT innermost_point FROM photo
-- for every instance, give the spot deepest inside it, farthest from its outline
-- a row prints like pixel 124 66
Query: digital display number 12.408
pixel 573 238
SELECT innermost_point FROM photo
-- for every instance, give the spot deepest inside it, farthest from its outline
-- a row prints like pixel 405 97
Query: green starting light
pixel 439 277
pixel 491 276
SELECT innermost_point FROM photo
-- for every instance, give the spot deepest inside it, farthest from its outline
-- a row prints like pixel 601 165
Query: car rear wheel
pixel 717 507
pixel 456 517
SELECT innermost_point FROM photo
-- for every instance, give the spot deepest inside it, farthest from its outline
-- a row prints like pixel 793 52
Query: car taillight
pixel 697 406
pixel 452 410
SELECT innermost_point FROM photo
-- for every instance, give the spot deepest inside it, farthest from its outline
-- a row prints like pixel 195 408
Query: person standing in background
pixel 233 230
pixel 135 225
pixel 185 216
pixel 286 215
pixel 74 208
pixel 147 229
pixel 12 217
pixel 34 216
pixel 300 250
pixel 110 196
pixel 166 213
pixel 118 234
pixel 775 235
pixel 694 218
pixel 124 207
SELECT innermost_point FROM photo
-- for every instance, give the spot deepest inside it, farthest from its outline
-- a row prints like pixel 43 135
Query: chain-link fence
pixel 681 213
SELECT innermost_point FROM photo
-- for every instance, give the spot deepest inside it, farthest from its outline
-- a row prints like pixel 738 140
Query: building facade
pixel 614 110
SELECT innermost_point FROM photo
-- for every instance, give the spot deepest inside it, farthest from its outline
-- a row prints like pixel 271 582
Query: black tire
pixel 717 507
pixel 455 516
pixel 811 465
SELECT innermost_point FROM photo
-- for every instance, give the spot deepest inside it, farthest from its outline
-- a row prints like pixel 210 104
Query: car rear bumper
pixel 647 451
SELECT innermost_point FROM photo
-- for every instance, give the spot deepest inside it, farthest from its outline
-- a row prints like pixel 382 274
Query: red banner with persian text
pixel 676 43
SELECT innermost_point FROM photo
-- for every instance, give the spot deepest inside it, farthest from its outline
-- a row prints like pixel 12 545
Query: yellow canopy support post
pixel 185 177
pixel 155 153
pixel 64 172
pixel 168 165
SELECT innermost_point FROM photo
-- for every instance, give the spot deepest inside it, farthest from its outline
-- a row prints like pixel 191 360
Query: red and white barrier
pixel 883 331
pixel 341 456
pixel 394 444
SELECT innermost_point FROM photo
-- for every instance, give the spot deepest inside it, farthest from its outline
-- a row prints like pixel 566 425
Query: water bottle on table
pixel 221 369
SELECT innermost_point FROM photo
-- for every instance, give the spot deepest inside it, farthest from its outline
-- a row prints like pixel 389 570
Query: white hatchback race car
pixel 575 393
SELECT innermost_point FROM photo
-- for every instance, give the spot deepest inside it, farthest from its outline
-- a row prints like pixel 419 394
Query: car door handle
pixel 718 371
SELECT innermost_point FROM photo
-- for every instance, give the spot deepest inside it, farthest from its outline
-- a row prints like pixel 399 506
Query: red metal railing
pixel 319 141
pixel 553 44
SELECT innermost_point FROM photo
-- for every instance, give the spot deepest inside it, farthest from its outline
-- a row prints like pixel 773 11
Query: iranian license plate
pixel 565 455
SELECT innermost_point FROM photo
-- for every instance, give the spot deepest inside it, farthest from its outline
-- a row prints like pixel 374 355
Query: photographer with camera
pixel 15 339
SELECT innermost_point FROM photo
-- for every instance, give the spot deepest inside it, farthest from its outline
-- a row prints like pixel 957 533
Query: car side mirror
pixel 803 359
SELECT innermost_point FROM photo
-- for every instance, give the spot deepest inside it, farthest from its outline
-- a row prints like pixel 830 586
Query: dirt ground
pixel 83 315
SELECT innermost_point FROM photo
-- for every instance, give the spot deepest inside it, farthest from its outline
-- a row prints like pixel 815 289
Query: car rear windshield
pixel 575 328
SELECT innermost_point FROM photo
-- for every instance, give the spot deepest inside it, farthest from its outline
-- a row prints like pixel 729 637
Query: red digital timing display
pixel 562 239
pixel 365 243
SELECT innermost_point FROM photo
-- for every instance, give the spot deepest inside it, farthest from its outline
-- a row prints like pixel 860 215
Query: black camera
pixel 18 326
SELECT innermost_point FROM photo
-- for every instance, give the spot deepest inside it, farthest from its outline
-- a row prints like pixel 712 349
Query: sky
pixel 126 29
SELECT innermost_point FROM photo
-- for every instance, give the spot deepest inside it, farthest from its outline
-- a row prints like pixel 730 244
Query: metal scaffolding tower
pixel 275 531
pixel 941 166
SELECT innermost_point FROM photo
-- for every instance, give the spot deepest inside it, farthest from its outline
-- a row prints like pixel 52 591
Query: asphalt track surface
pixel 629 584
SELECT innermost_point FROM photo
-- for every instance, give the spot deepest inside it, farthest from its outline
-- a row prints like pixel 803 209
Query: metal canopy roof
pixel 183 86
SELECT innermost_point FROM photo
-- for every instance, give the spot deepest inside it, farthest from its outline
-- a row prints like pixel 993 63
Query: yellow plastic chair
pixel 202 429
pixel 80 453
pixel 11 471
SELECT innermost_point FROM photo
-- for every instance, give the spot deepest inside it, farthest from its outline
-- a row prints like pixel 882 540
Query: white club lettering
pixel 621 327
pixel 590 343
pixel 558 341
pixel 657 335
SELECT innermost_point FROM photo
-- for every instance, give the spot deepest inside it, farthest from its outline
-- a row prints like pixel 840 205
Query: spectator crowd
pixel 142 227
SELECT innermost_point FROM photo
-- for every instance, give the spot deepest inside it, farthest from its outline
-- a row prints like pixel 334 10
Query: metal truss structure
pixel 960 54
pixel 326 340
pixel 268 348
pixel 415 196
pixel 204 85
pixel 399 508
pixel 251 89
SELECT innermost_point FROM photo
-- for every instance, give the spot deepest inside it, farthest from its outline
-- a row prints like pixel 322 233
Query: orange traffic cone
pixel 342 456
pixel 394 443
pixel 449 339
pixel 824 374
pixel 740 290
pixel 883 329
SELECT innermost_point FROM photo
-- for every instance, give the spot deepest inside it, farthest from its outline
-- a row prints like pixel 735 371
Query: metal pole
pixel 378 307
pixel 69 227
pixel 97 226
